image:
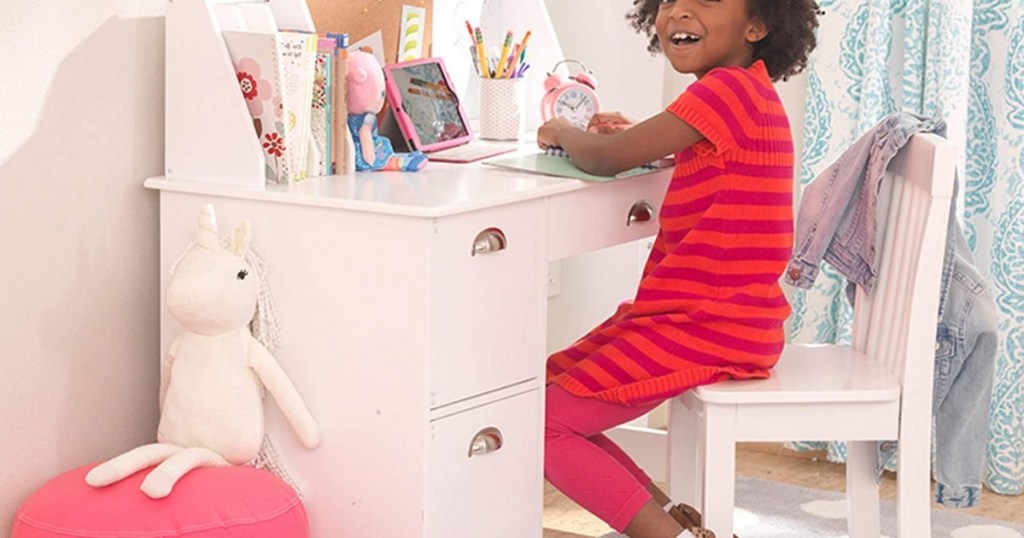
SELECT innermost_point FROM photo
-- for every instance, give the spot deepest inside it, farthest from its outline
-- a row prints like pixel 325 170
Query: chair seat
pixel 831 393
pixel 811 373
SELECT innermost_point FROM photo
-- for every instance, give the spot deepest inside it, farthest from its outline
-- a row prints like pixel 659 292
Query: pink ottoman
pixel 230 502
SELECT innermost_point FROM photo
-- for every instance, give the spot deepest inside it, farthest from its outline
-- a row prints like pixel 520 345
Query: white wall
pixel 81 125
pixel 596 32
pixel 629 80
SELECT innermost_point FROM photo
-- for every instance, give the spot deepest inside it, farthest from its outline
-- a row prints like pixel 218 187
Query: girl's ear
pixel 756 31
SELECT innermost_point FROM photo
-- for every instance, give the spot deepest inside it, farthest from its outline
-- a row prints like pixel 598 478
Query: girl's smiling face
pixel 700 35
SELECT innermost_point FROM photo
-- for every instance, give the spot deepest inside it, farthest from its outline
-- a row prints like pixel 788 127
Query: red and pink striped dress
pixel 709 305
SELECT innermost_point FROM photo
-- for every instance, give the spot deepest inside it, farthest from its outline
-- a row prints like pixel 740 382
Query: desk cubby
pixel 209 134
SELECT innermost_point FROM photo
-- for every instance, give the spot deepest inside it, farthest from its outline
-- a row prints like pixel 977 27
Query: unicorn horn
pixel 206 229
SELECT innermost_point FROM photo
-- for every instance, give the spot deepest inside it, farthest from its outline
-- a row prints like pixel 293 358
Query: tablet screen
pixel 430 103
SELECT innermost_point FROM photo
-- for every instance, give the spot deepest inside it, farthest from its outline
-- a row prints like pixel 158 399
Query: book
pixel 557 163
pixel 298 60
pixel 256 57
pixel 342 145
pixel 322 107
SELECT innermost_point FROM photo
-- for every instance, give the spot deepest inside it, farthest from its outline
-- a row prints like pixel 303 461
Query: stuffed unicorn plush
pixel 365 99
pixel 211 406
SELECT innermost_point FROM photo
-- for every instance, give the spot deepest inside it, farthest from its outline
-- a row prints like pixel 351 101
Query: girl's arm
pixel 608 154
pixel 609 123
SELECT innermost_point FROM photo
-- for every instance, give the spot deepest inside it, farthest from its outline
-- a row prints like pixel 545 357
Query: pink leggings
pixel 587 466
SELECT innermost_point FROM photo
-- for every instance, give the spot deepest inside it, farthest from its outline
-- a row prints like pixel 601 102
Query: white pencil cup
pixel 502 108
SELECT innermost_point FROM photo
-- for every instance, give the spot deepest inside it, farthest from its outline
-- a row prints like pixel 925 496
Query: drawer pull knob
pixel 486 441
pixel 489 240
pixel 641 211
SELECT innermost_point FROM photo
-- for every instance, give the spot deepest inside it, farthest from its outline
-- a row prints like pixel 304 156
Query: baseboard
pixel 647 446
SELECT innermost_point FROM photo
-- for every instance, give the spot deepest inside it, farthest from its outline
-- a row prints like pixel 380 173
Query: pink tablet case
pixel 405 122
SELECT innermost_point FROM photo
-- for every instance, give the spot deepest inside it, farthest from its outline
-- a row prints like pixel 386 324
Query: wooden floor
pixel 769 461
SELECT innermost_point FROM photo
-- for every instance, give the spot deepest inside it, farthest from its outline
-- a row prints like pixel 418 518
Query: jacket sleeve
pixel 826 204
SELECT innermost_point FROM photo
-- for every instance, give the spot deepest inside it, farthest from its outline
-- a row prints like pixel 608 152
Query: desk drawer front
pixel 599 215
pixel 483 471
pixel 488 307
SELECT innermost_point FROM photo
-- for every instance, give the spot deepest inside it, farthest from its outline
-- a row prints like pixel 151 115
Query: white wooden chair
pixel 878 389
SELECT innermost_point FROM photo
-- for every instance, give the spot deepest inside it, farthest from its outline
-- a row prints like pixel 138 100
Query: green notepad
pixel 552 165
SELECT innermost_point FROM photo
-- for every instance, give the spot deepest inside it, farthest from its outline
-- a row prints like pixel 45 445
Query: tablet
pixel 425 105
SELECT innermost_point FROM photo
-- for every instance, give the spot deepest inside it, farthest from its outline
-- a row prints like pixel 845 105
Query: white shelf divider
pixel 209 134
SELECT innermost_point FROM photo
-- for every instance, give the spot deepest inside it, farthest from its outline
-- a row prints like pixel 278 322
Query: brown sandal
pixel 690 519
pixel 701 532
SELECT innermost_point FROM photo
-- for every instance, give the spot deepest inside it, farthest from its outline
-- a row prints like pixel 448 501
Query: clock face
pixel 577 105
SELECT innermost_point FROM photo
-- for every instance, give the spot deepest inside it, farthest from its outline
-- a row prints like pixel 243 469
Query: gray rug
pixel 768 509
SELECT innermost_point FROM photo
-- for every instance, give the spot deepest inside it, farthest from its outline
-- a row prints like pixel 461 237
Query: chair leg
pixel 913 483
pixel 719 450
pixel 684 461
pixel 863 517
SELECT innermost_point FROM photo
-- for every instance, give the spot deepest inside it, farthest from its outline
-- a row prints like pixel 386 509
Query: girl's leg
pixel 593 477
pixel 685 515
pixel 614 451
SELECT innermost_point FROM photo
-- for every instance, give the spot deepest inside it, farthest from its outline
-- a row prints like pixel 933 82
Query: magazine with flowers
pixel 256 57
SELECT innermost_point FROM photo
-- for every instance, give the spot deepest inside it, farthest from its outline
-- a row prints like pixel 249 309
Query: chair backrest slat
pixel 880 326
pixel 915 222
pixel 892 319
pixel 895 323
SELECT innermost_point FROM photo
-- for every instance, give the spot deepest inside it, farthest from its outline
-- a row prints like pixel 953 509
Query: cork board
pixel 360 18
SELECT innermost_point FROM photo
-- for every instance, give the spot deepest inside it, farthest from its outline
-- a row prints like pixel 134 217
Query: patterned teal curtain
pixel 995 216
pixel 963 61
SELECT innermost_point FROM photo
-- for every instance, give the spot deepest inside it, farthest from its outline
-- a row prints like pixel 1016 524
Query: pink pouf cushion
pixel 230 502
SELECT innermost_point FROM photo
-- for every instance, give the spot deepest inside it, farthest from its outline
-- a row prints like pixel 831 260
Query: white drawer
pixel 488 309
pixel 599 216
pixel 493 491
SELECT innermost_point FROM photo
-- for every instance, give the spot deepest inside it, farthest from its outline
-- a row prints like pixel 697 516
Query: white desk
pixel 407 340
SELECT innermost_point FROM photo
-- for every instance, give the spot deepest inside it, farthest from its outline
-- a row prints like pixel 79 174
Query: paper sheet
pixel 550 165
pixel 414 22
pixel 374 44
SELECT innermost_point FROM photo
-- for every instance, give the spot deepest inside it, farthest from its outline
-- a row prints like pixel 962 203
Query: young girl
pixel 709 306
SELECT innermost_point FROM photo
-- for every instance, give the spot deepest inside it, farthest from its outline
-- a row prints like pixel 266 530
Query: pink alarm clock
pixel 574 98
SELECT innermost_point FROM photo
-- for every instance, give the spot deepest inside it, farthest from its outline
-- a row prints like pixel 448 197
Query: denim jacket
pixel 837 223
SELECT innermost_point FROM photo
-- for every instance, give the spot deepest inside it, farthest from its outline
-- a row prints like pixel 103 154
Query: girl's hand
pixel 609 123
pixel 547 135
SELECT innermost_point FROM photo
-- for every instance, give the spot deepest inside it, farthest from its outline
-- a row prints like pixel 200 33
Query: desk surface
pixel 439 190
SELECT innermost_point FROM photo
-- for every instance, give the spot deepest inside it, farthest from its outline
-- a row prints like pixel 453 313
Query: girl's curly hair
pixel 791 31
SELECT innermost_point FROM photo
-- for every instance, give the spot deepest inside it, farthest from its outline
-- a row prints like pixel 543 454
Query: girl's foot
pixel 689 518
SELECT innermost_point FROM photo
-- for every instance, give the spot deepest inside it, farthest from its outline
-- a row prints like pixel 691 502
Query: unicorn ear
pixel 206 229
pixel 240 237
